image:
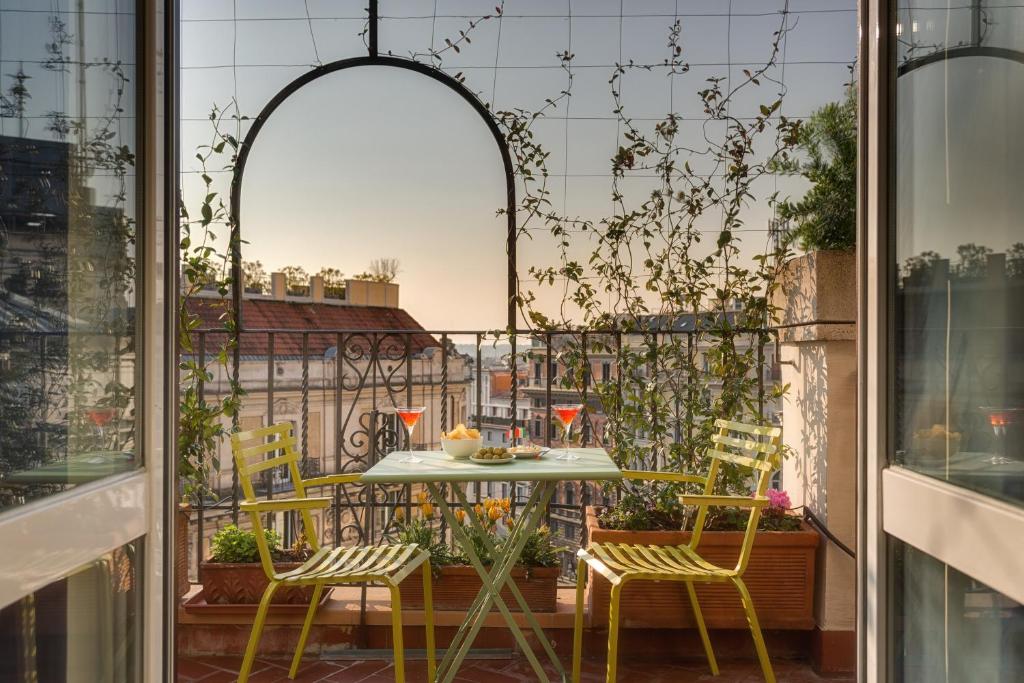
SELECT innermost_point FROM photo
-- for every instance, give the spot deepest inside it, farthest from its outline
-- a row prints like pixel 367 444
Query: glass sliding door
pixel 83 351
pixel 943 342
pixel 958 398
pixel 69 220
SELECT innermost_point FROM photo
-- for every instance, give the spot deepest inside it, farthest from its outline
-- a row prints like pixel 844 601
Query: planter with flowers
pixel 456 582
pixel 780 574
pixel 234 574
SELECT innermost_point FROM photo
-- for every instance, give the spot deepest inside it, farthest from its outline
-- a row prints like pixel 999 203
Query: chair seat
pixel 389 563
pixel 619 562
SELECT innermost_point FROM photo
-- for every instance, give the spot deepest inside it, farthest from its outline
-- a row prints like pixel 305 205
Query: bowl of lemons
pixel 461 442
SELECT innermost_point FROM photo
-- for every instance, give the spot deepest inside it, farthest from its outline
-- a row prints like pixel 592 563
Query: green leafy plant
pixel 201 421
pixel 237 546
pixel 826 216
pixel 654 269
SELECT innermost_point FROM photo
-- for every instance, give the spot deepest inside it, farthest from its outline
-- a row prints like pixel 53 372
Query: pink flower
pixel 778 500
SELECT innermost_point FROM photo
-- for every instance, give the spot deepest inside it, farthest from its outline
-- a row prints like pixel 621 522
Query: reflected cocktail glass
pixel 566 413
pixel 410 416
pixel 100 417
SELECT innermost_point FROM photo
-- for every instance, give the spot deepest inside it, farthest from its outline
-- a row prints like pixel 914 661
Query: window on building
pixel 606 371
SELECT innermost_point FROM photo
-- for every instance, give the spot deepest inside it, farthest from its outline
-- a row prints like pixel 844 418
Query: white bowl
pixel 461 448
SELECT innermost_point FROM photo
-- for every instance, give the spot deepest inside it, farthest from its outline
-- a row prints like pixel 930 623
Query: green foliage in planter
pixel 735 519
pixel 538 551
pixel 826 216
pixel 234 545
pixel 423 533
pixel 647 509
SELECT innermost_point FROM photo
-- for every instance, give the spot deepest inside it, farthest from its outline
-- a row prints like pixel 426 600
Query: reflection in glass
pixel 67 245
pixel 85 628
pixel 951 628
pixel 959 244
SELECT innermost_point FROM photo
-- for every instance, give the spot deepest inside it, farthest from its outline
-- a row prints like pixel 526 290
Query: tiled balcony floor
pixel 224 670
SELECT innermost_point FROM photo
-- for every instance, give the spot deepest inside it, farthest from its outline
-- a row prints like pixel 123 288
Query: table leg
pixel 499 565
pixel 541 507
pixel 493 582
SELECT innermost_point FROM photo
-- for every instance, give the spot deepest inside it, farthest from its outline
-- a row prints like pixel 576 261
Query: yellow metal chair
pixel 751 447
pixel 388 564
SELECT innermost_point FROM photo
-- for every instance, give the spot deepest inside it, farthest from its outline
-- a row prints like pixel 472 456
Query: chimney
pixel 369 293
pixel 316 289
pixel 278 286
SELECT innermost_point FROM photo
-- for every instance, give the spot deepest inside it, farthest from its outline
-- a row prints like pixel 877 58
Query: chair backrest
pixel 262 449
pixel 753 448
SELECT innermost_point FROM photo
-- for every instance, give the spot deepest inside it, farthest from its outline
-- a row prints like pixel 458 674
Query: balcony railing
pixel 340 387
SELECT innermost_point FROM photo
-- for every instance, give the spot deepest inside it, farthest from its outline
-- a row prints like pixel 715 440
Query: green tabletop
pixel 437 466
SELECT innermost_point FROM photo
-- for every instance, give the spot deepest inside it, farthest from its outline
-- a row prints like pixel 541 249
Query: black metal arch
pixel 372 60
pixel 1006 53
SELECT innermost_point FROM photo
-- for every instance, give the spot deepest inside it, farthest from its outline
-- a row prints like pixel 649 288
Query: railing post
pixel 480 395
pixel 444 382
pixel 338 436
pixel 547 389
pixel 236 367
pixel 760 375
pixel 200 503
pixel 268 475
pixel 585 381
pixel 305 403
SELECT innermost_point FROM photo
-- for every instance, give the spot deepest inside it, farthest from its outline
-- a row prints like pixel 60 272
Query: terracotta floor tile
pixel 360 671
pixel 193 670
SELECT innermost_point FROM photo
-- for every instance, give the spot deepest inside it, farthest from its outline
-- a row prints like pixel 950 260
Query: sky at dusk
pixel 381 162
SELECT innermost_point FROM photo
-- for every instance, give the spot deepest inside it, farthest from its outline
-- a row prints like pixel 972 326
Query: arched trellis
pixel 373 59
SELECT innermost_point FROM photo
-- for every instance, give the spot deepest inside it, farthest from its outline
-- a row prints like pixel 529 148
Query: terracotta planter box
pixel 226 583
pixel 779 576
pixel 457 586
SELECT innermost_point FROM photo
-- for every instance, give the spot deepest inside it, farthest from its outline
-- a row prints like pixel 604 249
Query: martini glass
pixel 100 417
pixel 566 414
pixel 410 416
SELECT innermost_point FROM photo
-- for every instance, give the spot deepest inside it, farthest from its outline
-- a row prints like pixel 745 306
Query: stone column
pixel 819 363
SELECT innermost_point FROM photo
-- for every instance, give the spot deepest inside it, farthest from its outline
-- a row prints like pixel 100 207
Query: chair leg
pixel 613 632
pixel 428 620
pixel 755 630
pixel 396 633
pixel 257 631
pixel 304 634
pixel 702 628
pixel 577 632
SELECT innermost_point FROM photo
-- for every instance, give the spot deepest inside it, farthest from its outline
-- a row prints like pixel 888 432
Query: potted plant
pixel 234 574
pixel 780 574
pixel 456 582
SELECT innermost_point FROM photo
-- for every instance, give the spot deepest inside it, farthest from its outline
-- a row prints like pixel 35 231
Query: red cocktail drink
pixel 566 413
pixel 410 417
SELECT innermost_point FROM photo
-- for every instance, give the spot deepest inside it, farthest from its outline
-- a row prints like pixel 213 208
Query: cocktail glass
pixel 566 413
pixel 100 417
pixel 410 416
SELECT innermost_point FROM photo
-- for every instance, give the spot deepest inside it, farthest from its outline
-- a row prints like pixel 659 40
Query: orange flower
pixel 460 515
pixel 506 505
pixel 422 497
pixel 399 514
pixel 428 509
pixel 479 510
pixel 494 514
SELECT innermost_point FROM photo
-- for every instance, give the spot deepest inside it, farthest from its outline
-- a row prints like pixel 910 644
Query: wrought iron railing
pixel 339 387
